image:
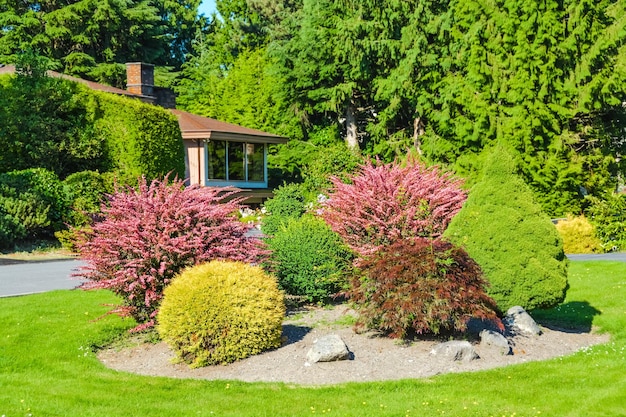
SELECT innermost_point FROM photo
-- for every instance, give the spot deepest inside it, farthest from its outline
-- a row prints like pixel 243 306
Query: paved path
pixel 33 277
pixel 617 256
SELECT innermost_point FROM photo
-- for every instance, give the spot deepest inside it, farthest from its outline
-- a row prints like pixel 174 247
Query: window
pixel 236 163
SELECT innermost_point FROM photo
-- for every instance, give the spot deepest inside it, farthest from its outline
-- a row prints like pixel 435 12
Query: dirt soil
pixel 374 358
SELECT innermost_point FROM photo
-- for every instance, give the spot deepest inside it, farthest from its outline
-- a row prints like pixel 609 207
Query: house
pixel 216 153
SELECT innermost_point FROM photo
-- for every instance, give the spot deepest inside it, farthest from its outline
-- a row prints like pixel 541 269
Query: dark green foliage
pixel 88 38
pixel 45 123
pixel 289 202
pixel 608 215
pixel 512 239
pixel 32 205
pixel 309 258
pixel 420 286
pixel 86 192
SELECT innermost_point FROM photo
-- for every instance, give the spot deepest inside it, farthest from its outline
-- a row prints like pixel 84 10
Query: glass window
pixel 256 155
pixel 236 161
pixel 216 151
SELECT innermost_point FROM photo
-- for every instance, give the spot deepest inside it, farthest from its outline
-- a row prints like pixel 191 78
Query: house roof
pixel 191 125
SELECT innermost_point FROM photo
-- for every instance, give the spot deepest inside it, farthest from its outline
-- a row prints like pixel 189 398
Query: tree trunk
pixel 418 132
pixel 352 135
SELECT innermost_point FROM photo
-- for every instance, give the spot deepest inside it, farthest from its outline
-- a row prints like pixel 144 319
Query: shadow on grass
pixel 572 317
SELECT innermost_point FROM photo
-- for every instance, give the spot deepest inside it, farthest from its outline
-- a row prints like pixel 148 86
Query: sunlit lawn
pixel 48 368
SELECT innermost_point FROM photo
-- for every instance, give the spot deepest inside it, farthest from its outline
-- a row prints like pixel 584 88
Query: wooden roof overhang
pixel 196 127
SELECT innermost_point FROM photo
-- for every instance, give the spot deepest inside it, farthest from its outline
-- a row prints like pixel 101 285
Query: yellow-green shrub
pixel 220 312
pixel 579 236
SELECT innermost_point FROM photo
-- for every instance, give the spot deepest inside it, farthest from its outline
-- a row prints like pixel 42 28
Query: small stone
pixel 328 348
pixel 455 350
pixel 491 338
pixel 517 320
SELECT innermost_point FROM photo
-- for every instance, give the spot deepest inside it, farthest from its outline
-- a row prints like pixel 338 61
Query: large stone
pixel 495 339
pixel 328 348
pixel 518 321
pixel 455 350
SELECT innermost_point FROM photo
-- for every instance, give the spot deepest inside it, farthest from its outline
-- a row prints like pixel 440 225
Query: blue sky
pixel 207 7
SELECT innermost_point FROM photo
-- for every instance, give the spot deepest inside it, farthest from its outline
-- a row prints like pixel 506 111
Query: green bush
pixel 219 312
pixel 33 205
pixel 310 259
pixel 504 230
pixel 289 202
pixel 331 160
pixel 608 215
pixel 141 139
pixel 86 191
pixel 420 286
pixel 578 235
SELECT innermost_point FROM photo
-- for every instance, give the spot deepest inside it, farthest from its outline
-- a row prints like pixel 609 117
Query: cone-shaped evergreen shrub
pixel 149 234
pixel 385 203
pixel 515 243
pixel 420 286
pixel 220 312
pixel 310 259
pixel 578 235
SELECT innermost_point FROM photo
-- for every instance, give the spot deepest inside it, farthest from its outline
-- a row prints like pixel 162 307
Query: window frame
pixel 245 183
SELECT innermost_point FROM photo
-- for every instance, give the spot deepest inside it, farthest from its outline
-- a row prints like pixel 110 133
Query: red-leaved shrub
pixel 422 286
pixel 385 203
pixel 149 234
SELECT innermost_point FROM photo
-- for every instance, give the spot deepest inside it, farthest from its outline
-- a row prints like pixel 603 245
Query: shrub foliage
pixel 512 239
pixel 309 259
pixel 289 202
pixel 220 312
pixel 385 203
pixel 32 205
pixel 578 235
pixel 608 215
pixel 149 234
pixel 420 285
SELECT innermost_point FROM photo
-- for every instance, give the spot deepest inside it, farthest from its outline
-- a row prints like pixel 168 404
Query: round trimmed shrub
pixel 503 228
pixel 310 259
pixel 578 235
pixel 419 286
pixel 220 312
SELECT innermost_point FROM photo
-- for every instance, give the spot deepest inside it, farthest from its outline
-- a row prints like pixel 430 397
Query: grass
pixel 48 368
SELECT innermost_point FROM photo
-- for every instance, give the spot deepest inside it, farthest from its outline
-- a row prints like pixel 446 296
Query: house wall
pixel 194 154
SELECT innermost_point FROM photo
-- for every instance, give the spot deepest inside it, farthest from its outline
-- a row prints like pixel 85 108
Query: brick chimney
pixel 140 78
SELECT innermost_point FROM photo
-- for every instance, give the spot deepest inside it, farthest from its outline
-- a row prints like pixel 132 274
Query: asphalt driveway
pixel 21 278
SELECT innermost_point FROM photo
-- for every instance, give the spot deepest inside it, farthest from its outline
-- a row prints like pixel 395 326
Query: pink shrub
pixel 385 203
pixel 150 234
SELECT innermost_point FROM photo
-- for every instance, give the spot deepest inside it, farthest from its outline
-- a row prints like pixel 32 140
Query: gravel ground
pixel 374 358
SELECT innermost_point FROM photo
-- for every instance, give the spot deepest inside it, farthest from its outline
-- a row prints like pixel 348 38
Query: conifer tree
pixel 504 230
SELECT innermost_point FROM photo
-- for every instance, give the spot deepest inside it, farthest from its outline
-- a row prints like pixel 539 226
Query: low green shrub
pixel 578 235
pixel 608 215
pixel 33 205
pixel 512 239
pixel 86 191
pixel 419 286
pixel 219 312
pixel 310 259
pixel 289 202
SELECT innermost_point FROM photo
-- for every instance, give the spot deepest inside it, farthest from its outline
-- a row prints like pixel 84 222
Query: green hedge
pixel 141 139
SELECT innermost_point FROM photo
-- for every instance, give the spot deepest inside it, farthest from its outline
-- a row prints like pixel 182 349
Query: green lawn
pixel 48 368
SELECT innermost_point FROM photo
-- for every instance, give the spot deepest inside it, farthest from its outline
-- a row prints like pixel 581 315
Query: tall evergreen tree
pixel 92 38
